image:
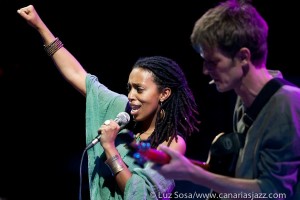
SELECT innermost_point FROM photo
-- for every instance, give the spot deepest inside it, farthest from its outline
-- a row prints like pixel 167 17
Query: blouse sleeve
pixel 146 183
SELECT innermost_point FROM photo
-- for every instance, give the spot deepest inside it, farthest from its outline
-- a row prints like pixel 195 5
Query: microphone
pixel 122 120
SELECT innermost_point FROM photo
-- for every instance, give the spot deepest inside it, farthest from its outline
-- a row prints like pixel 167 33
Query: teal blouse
pixel 145 183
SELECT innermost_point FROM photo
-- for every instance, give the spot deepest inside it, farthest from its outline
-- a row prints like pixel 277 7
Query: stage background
pixel 43 117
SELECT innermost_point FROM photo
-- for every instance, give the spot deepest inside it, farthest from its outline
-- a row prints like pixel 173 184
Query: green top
pixel 103 104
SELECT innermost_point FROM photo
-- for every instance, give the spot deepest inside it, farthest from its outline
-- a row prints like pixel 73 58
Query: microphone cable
pixel 80 174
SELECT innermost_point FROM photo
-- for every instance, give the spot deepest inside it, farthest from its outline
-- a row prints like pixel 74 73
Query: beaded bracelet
pixel 53 47
pixel 114 164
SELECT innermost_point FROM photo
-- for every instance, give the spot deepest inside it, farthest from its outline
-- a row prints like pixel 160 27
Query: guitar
pixel 145 153
pixel 222 155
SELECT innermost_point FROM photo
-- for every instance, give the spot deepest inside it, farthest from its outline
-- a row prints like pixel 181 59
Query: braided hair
pixel 180 108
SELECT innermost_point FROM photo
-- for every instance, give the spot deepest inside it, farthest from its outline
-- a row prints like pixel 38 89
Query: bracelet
pixel 53 47
pixel 115 164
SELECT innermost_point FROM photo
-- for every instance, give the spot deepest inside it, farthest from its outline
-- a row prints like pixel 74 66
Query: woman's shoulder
pixel 177 144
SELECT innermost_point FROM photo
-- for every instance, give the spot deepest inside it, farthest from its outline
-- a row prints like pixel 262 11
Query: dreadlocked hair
pixel 180 108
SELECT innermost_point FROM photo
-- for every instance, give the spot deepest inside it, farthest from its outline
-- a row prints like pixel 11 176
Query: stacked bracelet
pixel 115 164
pixel 53 47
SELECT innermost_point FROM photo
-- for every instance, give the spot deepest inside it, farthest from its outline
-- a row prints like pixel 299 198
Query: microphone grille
pixel 122 118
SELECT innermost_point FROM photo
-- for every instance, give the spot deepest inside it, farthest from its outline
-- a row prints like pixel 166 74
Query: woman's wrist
pixel 115 164
pixel 108 147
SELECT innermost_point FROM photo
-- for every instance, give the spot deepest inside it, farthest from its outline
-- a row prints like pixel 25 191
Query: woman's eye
pixel 139 90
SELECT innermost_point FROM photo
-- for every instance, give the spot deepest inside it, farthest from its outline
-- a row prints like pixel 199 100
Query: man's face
pixel 226 72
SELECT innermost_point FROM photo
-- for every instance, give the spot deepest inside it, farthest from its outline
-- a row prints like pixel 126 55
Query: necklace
pixel 137 137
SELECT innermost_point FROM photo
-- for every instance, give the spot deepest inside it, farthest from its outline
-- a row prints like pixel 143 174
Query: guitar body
pixel 223 153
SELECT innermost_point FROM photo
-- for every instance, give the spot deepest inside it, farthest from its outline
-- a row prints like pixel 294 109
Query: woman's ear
pixel 166 92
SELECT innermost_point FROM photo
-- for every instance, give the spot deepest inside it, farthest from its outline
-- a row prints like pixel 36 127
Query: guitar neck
pixel 201 164
pixel 160 157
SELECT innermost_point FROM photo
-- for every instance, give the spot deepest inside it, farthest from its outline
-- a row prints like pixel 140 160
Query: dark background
pixel 43 118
